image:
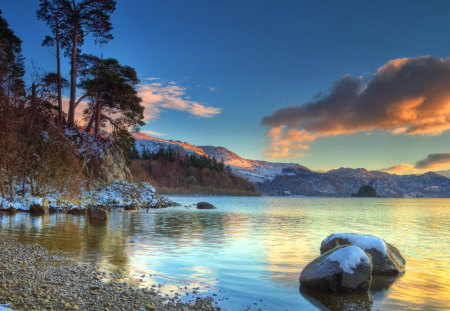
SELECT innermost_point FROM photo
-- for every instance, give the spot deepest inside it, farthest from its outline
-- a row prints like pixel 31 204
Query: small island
pixel 366 192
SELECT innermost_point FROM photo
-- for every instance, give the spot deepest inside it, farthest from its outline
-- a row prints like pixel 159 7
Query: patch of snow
pixel 349 258
pixel 365 242
pixel 45 136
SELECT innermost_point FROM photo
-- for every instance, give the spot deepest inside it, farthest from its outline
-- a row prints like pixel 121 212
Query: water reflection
pixel 253 249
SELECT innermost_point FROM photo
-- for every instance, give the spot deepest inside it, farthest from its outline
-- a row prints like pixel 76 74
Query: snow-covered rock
pixel 386 259
pixel 342 269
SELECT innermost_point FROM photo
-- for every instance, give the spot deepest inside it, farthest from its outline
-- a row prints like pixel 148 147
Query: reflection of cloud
pixel 158 95
pixel 406 96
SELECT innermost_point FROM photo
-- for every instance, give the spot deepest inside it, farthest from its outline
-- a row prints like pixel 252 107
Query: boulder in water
pixel 386 259
pixel 98 214
pixel 205 205
pixel 39 207
pixel 342 269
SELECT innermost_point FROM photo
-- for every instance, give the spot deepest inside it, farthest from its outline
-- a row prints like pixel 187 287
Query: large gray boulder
pixel 386 259
pixel 342 269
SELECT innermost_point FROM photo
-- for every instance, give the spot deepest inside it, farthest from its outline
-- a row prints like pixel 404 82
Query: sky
pixel 325 84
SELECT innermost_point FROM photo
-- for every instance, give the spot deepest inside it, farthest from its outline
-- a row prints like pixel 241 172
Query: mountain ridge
pixel 271 178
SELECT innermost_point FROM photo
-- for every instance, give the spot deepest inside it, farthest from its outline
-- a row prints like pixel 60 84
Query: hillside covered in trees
pixel 174 173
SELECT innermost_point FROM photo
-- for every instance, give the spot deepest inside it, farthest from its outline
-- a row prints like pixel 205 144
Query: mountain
pixel 294 179
pixel 252 170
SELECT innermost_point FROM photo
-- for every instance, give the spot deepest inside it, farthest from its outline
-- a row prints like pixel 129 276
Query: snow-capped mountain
pixel 252 170
pixel 294 179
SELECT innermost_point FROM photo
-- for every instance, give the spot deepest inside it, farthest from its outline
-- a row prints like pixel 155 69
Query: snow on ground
pixel 365 242
pixel 349 258
pixel 119 192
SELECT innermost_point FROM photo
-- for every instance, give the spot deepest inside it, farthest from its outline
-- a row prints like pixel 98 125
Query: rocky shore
pixel 32 278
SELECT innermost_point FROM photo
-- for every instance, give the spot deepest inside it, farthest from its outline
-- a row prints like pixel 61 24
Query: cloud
pixel 159 95
pixel 431 162
pixel 153 133
pixel 434 160
pixel 406 96
pixel 400 169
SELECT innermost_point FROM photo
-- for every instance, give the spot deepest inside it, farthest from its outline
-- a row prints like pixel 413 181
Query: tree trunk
pixel 91 121
pixel 73 79
pixel 97 115
pixel 58 68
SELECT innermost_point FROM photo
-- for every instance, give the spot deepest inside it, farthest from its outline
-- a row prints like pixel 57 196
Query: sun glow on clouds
pixel 431 162
pixel 408 96
pixel 158 95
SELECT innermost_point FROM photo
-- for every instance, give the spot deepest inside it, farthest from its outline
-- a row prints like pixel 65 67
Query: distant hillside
pixel 172 172
pixel 252 170
pixel 294 179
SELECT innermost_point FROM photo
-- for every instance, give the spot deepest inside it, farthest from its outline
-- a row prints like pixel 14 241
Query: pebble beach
pixel 33 278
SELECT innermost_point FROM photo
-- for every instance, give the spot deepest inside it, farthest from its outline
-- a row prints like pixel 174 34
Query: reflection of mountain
pixel 294 179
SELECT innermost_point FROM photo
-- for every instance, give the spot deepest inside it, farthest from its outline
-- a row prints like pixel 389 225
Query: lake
pixel 250 250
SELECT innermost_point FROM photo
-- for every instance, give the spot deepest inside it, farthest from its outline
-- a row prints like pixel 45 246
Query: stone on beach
pixel 342 269
pixel 386 259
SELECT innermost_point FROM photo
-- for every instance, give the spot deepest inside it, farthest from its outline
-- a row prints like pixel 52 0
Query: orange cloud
pixel 401 169
pixel 431 162
pixel 408 96
pixel 283 142
pixel 158 95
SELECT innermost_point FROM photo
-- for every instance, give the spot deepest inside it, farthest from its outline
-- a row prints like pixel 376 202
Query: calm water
pixel 250 251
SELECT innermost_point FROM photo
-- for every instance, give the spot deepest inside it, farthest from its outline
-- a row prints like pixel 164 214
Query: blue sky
pixel 221 67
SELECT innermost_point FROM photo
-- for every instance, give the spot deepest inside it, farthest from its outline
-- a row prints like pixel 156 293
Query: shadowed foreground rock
pixel 386 259
pixel 205 205
pixel 342 269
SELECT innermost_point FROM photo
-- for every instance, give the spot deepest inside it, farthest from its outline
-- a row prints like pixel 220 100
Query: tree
pixel 72 21
pixel 110 88
pixel 51 13
pixel 12 66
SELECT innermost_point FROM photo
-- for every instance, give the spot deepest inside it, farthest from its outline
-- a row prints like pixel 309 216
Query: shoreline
pixel 32 277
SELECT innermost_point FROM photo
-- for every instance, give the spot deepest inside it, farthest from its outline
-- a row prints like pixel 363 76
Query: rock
pixel 342 269
pixel 98 214
pixel 76 211
pixel 131 207
pixel 11 210
pixel 205 205
pixel 39 208
pixel 386 259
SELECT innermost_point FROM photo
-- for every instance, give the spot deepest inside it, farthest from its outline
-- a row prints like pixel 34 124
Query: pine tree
pixel 76 20
pixel 110 88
